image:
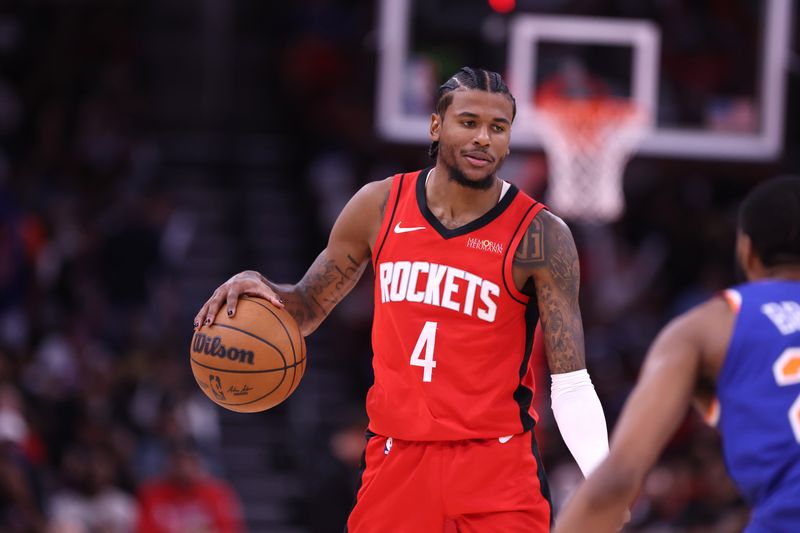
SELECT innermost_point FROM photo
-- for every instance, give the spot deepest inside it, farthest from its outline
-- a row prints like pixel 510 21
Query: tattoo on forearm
pixel 563 331
pixel 323 286
pixel 547 255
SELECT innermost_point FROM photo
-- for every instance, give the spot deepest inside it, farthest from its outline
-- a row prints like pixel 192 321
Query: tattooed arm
pixel 329 279
pixel 546 267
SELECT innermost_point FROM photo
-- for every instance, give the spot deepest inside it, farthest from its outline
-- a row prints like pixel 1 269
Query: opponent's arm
pixel 547 258
pixel 652 412
pixel 329 279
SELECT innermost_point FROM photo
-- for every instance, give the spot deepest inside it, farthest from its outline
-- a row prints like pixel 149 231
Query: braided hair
pixel 468 78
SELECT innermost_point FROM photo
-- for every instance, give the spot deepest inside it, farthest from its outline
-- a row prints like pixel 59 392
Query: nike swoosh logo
pixel 398 229
pixel 505 439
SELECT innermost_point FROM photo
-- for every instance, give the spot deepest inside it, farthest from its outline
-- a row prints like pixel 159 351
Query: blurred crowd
pixel 102 429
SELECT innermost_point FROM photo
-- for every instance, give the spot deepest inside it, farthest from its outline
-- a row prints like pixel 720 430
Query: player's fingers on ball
pixel 273 297
pixel 231 300
pixel 263 291
pixel 213 306
pixel 200 316
pixel 197 318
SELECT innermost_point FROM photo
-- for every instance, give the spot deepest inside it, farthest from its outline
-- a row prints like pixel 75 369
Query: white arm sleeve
pixel 580 418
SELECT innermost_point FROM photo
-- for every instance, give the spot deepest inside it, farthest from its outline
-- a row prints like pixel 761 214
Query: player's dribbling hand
pixel 247 283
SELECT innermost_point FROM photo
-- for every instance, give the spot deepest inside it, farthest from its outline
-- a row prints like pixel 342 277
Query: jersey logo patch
pixel 484 245
pixel 398 229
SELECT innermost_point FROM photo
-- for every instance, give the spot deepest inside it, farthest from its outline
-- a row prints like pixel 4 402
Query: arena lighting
pixel 503 6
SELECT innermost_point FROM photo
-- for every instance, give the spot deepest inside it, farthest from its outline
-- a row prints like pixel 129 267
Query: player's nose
pixel 482 137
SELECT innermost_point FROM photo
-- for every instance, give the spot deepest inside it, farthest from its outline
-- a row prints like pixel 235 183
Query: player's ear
pixel 748 258
pixel 436 126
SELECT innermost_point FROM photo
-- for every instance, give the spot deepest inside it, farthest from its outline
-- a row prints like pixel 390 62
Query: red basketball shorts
pixel 472 486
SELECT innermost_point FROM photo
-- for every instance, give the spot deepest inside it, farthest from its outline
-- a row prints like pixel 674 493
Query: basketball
pixel 252 361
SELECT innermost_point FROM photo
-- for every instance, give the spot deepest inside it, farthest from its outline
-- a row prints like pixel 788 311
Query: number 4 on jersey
pixel 426 340
pixel 787 372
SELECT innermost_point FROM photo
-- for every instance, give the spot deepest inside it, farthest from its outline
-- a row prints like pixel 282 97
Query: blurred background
pixel 151 149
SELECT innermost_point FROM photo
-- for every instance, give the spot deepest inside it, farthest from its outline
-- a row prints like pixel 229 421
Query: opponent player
pixel 465 265
pixel 747 342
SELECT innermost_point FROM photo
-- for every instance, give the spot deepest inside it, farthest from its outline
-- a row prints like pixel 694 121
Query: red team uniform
pixel 450 412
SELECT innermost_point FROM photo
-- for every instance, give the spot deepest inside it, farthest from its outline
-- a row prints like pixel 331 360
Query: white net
pixel 588 142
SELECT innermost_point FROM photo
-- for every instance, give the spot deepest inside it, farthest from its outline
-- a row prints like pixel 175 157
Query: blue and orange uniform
pixel 758 390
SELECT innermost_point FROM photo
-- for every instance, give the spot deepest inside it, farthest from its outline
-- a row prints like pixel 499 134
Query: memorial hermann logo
pixel 485 245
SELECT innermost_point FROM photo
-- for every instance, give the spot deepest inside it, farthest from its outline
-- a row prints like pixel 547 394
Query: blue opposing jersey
pixel 759 398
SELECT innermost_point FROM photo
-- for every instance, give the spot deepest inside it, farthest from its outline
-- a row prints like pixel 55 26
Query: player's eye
pixel 468 123
pixel 498 128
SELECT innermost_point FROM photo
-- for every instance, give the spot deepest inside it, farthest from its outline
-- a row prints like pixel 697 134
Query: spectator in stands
pixel 91 501
pixel 187 499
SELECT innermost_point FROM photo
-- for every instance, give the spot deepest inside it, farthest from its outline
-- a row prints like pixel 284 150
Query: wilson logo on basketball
pixel 485 245
pixel 213 346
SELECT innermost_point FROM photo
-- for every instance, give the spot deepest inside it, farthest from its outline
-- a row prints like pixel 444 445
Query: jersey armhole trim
pixel 733 298
pixel 712 412
pixel 508 259
pixel 394 200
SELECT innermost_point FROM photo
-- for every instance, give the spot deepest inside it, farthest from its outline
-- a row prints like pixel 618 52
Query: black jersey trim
pixel 362 468
pixel 523 395
pixel 544 486
pixel 508 250
pixel 476 224
pixel 391 218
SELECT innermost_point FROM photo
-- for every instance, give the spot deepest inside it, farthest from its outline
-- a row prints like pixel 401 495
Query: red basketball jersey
pixel 452 336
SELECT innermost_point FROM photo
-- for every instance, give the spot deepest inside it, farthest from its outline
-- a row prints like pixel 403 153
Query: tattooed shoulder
pixel 530 251
pixel 548 245
pixel 548 260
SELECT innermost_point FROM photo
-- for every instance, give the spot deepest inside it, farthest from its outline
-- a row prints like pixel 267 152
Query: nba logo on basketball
pixel 485 245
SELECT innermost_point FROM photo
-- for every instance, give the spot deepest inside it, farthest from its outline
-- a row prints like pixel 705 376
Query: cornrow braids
pixel 468 78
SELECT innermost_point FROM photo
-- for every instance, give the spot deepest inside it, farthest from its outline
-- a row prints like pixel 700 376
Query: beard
pixel 455 174
pixel 481 184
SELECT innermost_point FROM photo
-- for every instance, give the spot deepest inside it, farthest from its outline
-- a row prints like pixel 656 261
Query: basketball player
pixel 746 342
pixel 466 266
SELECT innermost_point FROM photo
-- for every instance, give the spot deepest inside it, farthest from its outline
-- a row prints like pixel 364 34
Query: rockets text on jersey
pixel 433 284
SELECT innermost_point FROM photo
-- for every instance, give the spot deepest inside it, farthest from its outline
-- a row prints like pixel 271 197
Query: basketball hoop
pixel 588 142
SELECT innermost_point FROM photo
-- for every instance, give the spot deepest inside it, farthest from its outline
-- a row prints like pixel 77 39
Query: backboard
pixel 711 73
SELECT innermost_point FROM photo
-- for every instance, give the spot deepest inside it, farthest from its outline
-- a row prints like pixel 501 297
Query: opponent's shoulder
pixel 705 331
pixel 705 319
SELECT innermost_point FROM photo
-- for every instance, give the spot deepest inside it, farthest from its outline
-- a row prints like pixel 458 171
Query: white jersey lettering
pixel 785 316
pixel 385 276
pixel 435 277
pixel 488 288
pixel 414 295
pixel 445 286
pixel 474 282
pixel 397 291
pixel 450 288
